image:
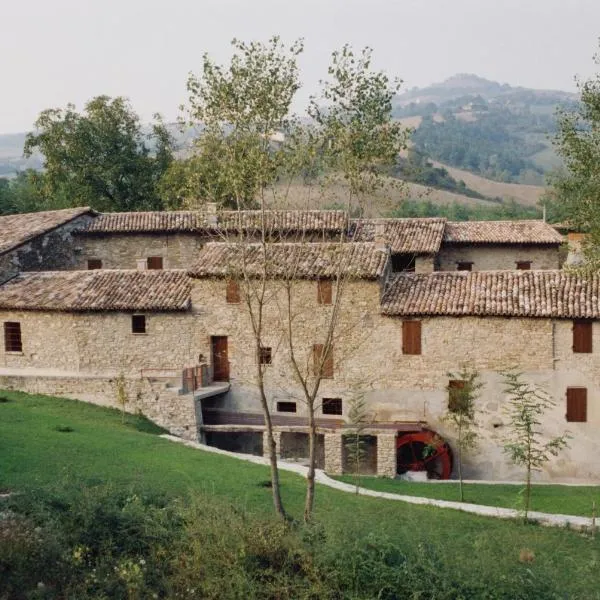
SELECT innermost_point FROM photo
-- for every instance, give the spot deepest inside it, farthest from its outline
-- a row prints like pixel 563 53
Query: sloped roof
pixel 501 232
pixel 494 293
pixel 16 230
pixel 404 236
pixel 97 290
pixel 200 221
pixel 299 260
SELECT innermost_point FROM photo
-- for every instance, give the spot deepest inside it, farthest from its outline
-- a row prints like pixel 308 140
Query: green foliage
pixel 21 194
pixel 460 414
pixel 524 443
pixel 121 394
pixel 358 419
pixel 462 212
pixel 576 190
pixel 100 157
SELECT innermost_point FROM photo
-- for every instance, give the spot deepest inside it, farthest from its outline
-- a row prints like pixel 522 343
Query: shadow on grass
pixel 141 423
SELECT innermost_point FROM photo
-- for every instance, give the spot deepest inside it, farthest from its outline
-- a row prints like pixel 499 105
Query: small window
pixel 332 406
pixel 327 362
pixel 265 356
pixel 403 263
pixel 232 293
pixel 138 324
pixel 464 266
pixel 12 337
pixel 455 387
pixel 523 265
pixel 287 407
pixel 324 291
pixel 411 337
pixel 577 404
pixel 155 262
pixel 582 336
pixel 93 264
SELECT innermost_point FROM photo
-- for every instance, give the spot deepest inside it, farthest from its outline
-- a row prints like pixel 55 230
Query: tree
pixel 575 194
pixel 101 157
pixel 463 392
pixel 359 419
pixel 524 443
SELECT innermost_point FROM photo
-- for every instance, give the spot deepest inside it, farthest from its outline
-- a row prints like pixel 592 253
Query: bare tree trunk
pixel 275 485
pixel 460 476
pixel 312 459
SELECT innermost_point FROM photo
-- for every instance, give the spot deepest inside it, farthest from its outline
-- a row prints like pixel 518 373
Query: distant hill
pixel 491 129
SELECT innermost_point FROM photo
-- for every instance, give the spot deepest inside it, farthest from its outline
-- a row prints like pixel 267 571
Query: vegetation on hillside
pixel 105 509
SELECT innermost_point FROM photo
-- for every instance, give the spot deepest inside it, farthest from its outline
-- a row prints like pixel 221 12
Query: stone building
pixel 177 336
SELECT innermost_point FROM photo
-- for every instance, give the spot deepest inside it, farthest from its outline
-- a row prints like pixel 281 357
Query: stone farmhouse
pixel 157 303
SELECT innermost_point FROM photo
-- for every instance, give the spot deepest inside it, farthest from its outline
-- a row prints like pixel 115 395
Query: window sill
pixel 14 353
pixel 140 334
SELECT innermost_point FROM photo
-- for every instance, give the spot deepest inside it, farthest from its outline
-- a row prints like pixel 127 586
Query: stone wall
pixel 54 251
pixel 122 251
pixel 490 258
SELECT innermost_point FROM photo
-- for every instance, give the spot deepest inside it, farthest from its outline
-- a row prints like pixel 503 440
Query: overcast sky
pixel 57 51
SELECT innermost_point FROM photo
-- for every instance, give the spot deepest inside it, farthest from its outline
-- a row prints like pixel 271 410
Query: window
pixel 582 336
pixel 155 262
pixel 138 323
pixel 264 356
pixel 464 266
pixel 324 291
pixel 232 293
pixel 403 262
pixel 332 406
pixel 12 337
pixel 288 407
pixel 455 387
pixel 411 337
pixel 327 362
pixel 523 265
pixel 577 404
pixel 94 263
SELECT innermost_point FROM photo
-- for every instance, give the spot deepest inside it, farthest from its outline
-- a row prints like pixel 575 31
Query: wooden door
pixel 220 358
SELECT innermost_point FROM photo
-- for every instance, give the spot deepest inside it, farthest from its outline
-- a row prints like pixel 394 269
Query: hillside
pixel 494 130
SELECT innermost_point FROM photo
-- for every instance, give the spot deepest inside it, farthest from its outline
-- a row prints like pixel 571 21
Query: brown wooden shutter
pixel 582 336
pixel 577 404
pixel 411 337
pixel 155 262
pixel 12 337
pixel 327 370
pixel 324 291
pixel 232 294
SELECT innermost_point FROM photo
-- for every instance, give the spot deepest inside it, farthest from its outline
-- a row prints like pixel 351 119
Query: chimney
pixel 379 236
pixel 211 214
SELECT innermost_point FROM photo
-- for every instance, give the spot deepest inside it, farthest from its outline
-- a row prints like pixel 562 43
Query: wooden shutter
pixel 155 262
pixel 12 337
pixel 94 263
pixel 327 370
pixel 232 294
pixel 411 337
pixel 577 404
pixel 324 291
pixel 454 394
pixel 582 336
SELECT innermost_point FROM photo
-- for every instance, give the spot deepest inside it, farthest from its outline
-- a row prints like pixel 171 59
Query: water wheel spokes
pixel 424 451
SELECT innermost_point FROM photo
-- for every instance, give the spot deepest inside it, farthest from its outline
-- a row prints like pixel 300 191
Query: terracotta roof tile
pixel 556 294
pixel 302 260
pixel 197 221
pixel 18 229
pixel 501 232
pixel 404 236
pixel 97 290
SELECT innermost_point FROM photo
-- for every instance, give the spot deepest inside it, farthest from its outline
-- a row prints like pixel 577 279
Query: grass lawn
pixel 566 500
pixel 38 451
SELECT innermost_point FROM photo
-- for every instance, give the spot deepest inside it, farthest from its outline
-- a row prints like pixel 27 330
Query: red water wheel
pixel 424 451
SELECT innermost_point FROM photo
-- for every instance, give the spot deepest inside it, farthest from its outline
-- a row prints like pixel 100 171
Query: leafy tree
pixel 524 443
pixel 576 190
pixel 461 414
pixel 20 194
pixel 101 157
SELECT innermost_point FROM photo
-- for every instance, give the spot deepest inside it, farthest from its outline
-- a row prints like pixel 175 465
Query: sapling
pixel 524 443
pixel 353 440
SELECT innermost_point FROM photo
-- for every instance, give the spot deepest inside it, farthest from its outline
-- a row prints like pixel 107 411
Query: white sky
pixel 58 51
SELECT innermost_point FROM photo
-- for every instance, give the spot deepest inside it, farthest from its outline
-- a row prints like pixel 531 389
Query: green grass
pixel 36 455
pixel 566 500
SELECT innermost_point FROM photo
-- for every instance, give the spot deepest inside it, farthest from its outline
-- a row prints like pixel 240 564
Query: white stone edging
pixel 547 519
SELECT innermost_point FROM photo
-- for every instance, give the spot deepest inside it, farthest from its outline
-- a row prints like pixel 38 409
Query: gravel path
pixel 551 520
